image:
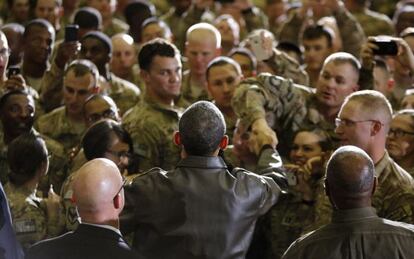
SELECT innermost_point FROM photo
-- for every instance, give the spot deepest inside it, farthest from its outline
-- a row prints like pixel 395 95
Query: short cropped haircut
pixel 88 18
pixel 39 23
pixel 373 104
pixel 5 97
pixel 221 61
pixel 138 6
pixel 155 47
pixel 98 138
pixel 202 128
pixel 325 141
pixel 207 28
pixel 313 32
pixel 339 58
pixel 344 160
pixel 81 67
pixel 25 155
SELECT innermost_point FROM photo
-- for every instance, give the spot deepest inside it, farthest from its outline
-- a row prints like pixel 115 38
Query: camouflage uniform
pixel 188 90
pixel 374 23
pixel 124 93
pixel 352 34
pixel 30 219
pixel 393 199
pixel 72 218
pixel 57 164
pixel 283 65
pixel 57 126
pixel 287 107
pixel 151 126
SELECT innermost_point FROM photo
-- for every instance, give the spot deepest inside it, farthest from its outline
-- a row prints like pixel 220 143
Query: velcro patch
pixel 25 226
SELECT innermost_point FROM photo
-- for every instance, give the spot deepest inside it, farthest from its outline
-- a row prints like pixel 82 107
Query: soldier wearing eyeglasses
pixel 364 121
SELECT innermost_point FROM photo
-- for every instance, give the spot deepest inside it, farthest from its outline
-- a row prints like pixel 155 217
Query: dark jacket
pixel 86 241
pixel 198 210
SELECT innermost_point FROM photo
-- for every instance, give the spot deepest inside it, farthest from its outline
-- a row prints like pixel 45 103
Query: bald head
pixel 97 190
pixel 350 177
pixel 202 32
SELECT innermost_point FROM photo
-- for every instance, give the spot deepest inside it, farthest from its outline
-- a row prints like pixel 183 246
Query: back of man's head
pixel 201 32
pixel 350 178
pixel 97 191
pixel 202 128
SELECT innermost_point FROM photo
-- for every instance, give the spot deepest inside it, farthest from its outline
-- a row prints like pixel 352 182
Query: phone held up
pixel 386 46
pixel 13 70
pixel 71 32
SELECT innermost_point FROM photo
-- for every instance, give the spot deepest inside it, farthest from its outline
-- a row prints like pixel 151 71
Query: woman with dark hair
pixel 400 140
pixel 104 139
pixel 34 218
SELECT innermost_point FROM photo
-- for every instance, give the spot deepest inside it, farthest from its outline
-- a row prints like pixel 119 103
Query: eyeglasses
pixel 399 133
pixel 349 123
pixel 124 181
pixel 5 52
pixel 119 154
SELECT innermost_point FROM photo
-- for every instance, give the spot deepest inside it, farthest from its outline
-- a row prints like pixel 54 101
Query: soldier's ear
pixel 177 138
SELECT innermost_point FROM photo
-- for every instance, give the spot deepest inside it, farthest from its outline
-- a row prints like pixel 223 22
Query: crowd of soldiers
pixel 293 79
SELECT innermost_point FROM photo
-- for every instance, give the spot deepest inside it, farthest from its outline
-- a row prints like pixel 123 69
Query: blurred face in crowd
pixel 246 64
pixel 163 79
pixel 382 81
pixel 17 115
pixel 336 81
pixel 48 10
pixel 230 32
pixel 316 51
pixel 306 145
pixel 156 30
pixel 20 10
pixel 124 55
pixel 222 82
pixel 4 54
pixel 400 140
pixel 119 153
pixel 241 138
pixel 76 90
pixel 105 7
pixel 200 52
pixel 95 51
pixel 38 44
pixel 101 108
pixel 16 45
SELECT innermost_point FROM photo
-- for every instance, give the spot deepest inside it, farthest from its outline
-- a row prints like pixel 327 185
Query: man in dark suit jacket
pixel 99 197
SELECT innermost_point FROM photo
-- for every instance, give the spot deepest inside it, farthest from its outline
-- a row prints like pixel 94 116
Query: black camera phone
pixel 71 32
pixel 386 47
pixel 13 70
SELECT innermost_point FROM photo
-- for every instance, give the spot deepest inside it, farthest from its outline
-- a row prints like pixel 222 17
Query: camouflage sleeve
pixel 352 34
pixel 249 101
pixel 55 221
pixel 291 29
pixel 51 88
pixel 69 208
pixel 397 206
pixel 255 19
pixel 286 67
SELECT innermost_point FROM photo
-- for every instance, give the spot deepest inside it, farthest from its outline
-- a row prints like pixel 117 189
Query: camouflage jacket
pixel 151 126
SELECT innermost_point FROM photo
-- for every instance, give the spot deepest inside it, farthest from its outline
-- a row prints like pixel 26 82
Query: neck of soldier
pixel 198 80
pixel 33 69
pixel 166 100
pixel 376 150
pixel 328 112
pixel 3 79
pixel 75 117
pixel 105 72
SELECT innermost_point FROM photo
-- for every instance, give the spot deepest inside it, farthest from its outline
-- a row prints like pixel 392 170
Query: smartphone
pixel 291 178
pixel 256 45
pixel 13 70
pixel 71 32
pixel 386 47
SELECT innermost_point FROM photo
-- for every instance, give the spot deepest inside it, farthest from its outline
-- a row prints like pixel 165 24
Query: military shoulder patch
pixel 24 226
